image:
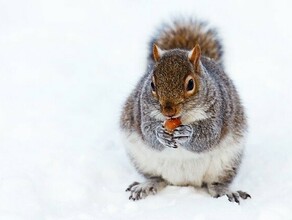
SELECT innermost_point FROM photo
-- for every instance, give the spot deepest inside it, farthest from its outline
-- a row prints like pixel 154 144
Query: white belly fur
pixel 182 167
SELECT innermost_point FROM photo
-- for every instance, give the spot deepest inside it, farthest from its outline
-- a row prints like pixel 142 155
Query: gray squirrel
pixel 185 79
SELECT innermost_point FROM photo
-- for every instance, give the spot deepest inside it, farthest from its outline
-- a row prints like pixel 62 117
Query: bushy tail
pixel 185 34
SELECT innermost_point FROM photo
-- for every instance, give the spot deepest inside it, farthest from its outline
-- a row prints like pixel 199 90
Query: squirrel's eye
pixel 153 87
pixel 190 85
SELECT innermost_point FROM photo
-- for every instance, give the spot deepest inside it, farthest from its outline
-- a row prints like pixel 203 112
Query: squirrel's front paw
pixel 182 134
pixel 165 138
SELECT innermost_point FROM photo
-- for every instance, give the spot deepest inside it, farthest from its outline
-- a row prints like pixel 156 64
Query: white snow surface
pixel 66 68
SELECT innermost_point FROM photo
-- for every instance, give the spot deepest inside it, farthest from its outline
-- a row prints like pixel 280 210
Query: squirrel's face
pixel 175 79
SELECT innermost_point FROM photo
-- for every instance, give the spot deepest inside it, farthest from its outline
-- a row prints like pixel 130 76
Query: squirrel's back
pixel 185 34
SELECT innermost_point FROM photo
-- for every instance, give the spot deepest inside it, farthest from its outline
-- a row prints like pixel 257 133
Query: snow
pixel 66 68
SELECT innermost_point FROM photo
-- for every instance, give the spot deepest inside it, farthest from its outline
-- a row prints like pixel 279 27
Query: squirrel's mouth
pixel 172 117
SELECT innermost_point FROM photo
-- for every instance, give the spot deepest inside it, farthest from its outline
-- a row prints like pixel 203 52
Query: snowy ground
pixel 67 66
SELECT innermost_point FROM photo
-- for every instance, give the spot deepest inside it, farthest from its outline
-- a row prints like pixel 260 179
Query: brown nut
pixel 171 124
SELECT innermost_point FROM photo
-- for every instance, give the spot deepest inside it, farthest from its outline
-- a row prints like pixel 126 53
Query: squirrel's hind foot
pixel 142 190
pixel 235 196
pixel 220 189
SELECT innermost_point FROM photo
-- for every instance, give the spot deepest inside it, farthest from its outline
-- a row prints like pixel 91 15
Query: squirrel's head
pixel 175 78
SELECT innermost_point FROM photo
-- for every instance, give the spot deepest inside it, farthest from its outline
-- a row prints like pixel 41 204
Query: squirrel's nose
pixel 168 110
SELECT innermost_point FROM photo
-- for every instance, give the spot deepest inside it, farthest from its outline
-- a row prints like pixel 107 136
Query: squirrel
pixel 185 79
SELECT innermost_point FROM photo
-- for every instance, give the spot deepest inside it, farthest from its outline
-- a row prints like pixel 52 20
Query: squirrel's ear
pixel 195 54
pixel 157 52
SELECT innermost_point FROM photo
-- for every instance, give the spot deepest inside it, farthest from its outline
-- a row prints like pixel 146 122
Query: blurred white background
pixel 66 67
